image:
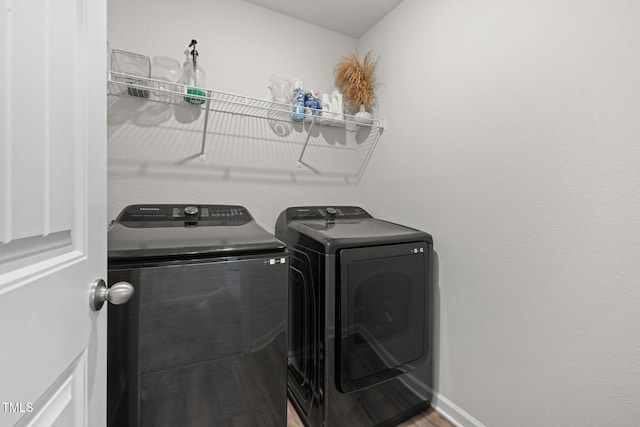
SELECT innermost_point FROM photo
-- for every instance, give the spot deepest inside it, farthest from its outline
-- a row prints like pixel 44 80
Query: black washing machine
pixel 203 340
pixel 360 311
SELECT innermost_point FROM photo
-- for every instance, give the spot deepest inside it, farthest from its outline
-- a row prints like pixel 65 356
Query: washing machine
pixel 360 316
pixel 203 340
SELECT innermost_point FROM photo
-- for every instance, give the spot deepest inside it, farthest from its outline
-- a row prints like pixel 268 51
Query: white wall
pixel 514 137
pixel 153 148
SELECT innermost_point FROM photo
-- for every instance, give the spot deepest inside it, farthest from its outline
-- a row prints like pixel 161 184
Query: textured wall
pixel 513 136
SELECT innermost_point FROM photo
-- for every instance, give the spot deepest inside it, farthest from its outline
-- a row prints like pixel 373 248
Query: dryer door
pixel 382 302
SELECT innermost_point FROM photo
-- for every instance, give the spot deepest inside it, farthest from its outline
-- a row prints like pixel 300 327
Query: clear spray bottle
pixel 194 78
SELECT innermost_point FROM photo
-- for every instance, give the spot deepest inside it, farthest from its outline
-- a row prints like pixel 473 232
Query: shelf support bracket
pixel 206 122
pixel 306 141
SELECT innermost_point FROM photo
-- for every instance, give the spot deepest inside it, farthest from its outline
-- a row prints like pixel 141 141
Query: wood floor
pixel 429 418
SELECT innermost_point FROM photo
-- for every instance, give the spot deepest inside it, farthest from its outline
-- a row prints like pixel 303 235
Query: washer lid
pixel 187 231
pixel 327 229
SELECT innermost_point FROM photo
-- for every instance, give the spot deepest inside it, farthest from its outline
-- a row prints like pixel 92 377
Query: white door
pixel 52 212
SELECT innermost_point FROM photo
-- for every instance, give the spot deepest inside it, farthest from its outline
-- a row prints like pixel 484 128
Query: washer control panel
pixel 139 216
pixel 326 212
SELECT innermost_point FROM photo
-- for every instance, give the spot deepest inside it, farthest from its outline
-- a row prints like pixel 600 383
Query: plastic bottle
pixel 325 102
pixel 325 108
pixel 311 104
pixel 298 100
pixel 194 78
pixel 336 104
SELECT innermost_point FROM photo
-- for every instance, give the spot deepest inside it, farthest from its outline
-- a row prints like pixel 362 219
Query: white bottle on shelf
pixel 337 108
pixel 325 109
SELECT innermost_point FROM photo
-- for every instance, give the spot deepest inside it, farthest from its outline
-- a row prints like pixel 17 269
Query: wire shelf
pixel 211 101
pixel 119 83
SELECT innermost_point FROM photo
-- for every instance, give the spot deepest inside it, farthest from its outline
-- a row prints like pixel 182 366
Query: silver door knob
pixel 119 293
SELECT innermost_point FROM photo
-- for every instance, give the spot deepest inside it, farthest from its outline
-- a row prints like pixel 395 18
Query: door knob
pixel 119 293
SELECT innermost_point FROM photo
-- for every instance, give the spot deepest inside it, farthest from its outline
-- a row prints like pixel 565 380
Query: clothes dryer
pixel 359 317
pixel 203 340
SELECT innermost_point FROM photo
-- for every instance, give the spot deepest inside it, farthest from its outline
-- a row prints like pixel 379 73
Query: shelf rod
pixel 306 141
pixel 206 122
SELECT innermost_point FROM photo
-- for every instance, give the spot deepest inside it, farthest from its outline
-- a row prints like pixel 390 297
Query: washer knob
pixel 331 215
pixel 191 212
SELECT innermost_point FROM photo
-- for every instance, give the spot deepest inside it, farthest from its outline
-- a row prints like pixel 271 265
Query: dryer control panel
pixel 326 212
pixel 144 216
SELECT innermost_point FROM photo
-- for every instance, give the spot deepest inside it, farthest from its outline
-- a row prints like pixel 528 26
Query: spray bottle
pixel 194 78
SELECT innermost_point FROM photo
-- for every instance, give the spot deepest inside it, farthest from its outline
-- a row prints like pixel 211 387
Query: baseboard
pixel 453 412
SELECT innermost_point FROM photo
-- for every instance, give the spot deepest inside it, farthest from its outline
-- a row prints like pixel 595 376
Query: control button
pixel 177 213
pixel 204 212
pixel 331 215
pixel 190 211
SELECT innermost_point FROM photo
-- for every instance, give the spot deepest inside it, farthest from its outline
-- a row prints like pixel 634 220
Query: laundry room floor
pixel 429 418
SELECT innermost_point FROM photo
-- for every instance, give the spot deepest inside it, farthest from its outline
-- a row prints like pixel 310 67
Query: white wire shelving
pixel 212 101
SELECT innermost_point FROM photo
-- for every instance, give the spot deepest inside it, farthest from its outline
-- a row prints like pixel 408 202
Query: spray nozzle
pixel 194 52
